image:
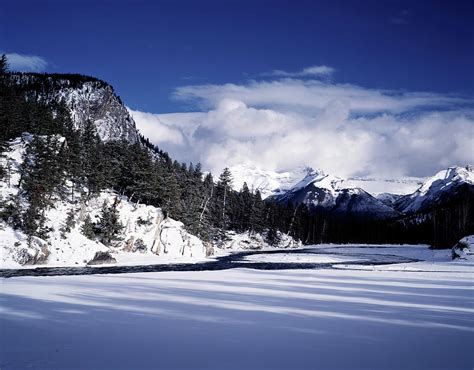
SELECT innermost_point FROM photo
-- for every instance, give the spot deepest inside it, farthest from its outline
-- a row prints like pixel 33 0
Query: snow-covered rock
pixel 88 99
pixel 464 249
pixel 146 232
pixel 434 188
pixel 245 241
pixel 101 258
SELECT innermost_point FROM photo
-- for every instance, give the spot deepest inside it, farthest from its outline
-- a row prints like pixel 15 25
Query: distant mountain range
pixel 270 183
pixel 364 197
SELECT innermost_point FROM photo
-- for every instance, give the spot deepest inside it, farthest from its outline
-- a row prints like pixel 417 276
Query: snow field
pixel 235 319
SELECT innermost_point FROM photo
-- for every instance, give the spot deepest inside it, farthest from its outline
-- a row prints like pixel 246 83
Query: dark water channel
pixel 233 260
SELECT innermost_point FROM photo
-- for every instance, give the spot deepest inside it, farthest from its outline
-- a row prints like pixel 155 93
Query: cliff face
pixel 87 98
pixel 100 105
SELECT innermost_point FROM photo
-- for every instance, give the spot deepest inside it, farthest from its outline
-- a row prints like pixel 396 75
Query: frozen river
pixel 305 258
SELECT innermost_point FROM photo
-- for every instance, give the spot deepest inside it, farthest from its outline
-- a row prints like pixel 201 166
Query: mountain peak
pixel 446 178
pixel 266 181
pixel 319 179
pixel 434 187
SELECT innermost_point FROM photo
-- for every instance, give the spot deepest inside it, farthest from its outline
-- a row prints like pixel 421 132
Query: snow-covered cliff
pixel 88 99
pixel 146 235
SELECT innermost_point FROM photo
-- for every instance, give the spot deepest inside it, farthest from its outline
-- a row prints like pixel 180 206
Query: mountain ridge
pixel 274 182
pixel 434 187
pixel 320 191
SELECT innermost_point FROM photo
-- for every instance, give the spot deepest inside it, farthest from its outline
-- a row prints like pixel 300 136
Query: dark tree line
pixel 63 161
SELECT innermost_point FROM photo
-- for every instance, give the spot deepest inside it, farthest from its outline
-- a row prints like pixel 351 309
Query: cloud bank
pixel 343 129
pixel 26 63
pixel 311 96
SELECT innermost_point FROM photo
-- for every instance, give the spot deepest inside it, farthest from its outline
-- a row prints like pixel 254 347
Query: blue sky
pixel 356 88
pixel 146 49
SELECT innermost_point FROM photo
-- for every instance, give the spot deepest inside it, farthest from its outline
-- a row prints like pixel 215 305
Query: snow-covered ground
pixel 419 318
pixel 367 257
pixel 162 240
pixel 297 258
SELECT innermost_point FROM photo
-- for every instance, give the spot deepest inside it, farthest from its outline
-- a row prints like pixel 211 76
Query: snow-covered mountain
pixel 388 198
pixel 265 181
pixel 273 183
pixel 357 202
pixel 320 191
pixel 88 99
pixel 436 189
pixel 315 189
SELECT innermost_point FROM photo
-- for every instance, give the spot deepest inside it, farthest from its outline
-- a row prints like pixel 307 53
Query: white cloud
pixel 313 71
pixel 381 146
pixel 311 96
pixel 26 63
pixel 158 132
pixel 343 129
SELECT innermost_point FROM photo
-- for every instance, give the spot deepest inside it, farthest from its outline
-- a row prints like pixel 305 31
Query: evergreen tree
pixel 257 214
pixel 69 223
pixel 3 65
pixel 92 164
pixel 34 219
pixel 272 237
pixel 223 191
pixel 41 175
pixel 109 225
pixel 193 198
pixel 88 228
pixel 172 197
pixel 11 212
pixel 205 229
